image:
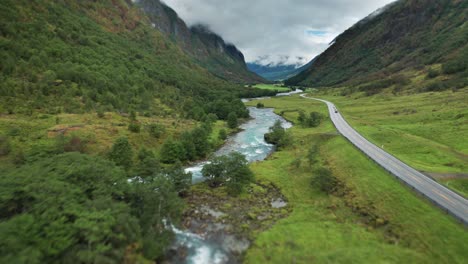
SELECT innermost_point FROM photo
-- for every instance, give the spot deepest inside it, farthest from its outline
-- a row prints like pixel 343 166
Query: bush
pixel 172 151
pixel 432 73
pixel 122 153
pixel 325 180
pixel 222 134
pixel 134 127
pixel 75 144
pixel 231 170
pixel 232 120
pixel 313 120
pixel 278 135
pixel 454 66
pixel 156 130
pixel 5 147
pixel 100 113
pixel 181 180
pixel 260 105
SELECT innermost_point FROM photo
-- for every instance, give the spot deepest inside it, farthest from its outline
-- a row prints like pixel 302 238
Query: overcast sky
pixel 292 31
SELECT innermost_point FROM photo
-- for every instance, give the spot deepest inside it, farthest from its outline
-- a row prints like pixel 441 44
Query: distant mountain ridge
pixel 405 36
pixel 206 47
pixel 277 72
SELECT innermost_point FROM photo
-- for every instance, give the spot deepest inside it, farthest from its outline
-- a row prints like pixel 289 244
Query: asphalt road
pixel 448 200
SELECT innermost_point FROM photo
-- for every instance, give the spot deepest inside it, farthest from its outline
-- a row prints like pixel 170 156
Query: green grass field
pixel 428 131
pixel 375 219
pixel 271 87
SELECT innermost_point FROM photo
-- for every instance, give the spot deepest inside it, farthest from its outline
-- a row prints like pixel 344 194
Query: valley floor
pixel 427 131
pixel 369 218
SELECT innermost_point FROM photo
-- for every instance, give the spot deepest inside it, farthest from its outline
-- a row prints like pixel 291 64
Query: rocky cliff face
pixel 207 48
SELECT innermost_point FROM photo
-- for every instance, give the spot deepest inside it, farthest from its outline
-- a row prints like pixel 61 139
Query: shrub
pixel 134 127
pixel 5 147
pixel 232 120
pixel 454 66
pixel 100 113
pixel 122 153
pixel 260 105
pixel 156 130
pixel 278 135
pixel 182 180
pixel 432 73
pixel 231 170
pixel 172 151
pixel 313 120
pixel 325 180
pixel 75 144
pixel 222 134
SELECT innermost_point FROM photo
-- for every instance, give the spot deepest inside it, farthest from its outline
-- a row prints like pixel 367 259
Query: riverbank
pixel 369 218
pixel 213 217
pixel 228 223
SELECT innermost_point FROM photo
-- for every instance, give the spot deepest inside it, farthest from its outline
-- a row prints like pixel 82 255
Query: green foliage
pixel 181 180
pixel 222 134
pixel 73 57
pixel 81 209
pixel 5 146
pixel 148 165
pixel 172 151
pixel 278 135
pixel 313 154
pixel 313 120
pixel 231 170
pixel 100 113
pixel 74 144
pixel 232 120
pixel 260 105
pixel 122 153
pixel 156 130
pixel 432 73
pixel 324 180
pixel 134 127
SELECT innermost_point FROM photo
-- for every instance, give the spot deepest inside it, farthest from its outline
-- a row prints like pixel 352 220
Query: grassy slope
pixel 330 229
pixel 428 131
pixel 39 133
pixel 411 34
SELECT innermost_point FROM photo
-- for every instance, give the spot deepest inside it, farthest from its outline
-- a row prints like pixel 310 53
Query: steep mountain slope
pixel 405 39
pixel 277 72
pixel 76 56
pixel 209 50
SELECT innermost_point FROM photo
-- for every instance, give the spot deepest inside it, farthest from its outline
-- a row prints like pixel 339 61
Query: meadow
pixel 369 218
pixel 428 131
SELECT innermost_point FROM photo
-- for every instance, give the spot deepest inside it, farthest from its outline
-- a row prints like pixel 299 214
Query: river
pixel 217 246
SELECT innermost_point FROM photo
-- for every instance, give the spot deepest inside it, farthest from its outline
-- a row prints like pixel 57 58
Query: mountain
pixel 79 56
pixel 209 50
pixel 276 72
pixel 397 45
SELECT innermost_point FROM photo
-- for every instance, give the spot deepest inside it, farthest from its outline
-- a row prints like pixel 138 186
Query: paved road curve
pixel 437 193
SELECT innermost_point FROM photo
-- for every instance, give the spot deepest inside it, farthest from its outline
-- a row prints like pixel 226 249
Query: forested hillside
pixel 409 44
pixel 79 56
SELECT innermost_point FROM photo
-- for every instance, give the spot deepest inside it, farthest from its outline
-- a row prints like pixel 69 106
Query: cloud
pixel 277 31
